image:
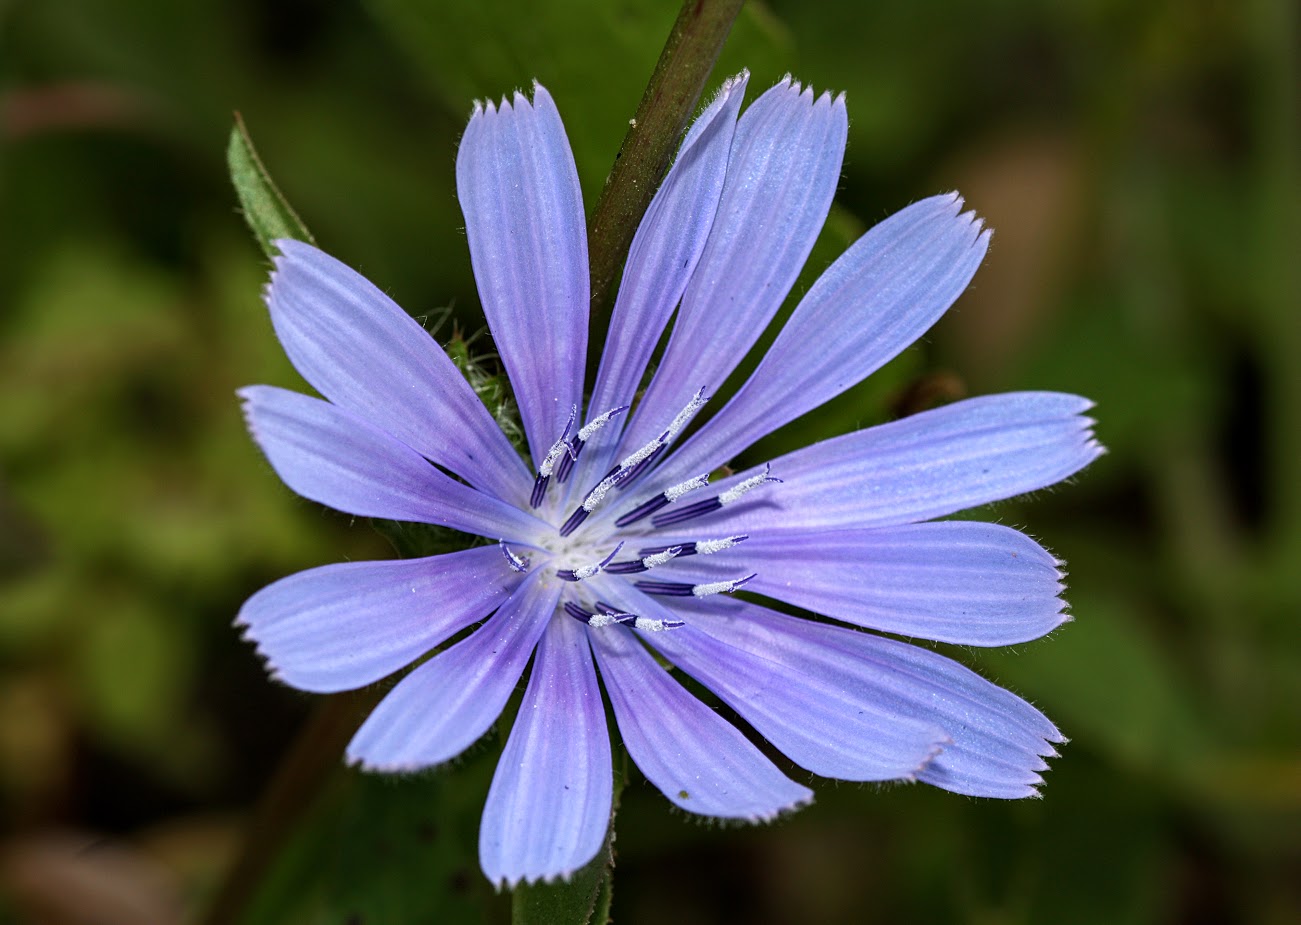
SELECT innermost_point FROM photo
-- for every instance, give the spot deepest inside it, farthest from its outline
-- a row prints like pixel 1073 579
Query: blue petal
pixel 523 208
pixel 325 454
pixel 824 729
pixel 366 355
pixel 343 626
pixel 549 805
pixel 664 253
pixel 446 704
pixel 999 740
pixel 955 581
pixel 696 758
pixel 927 465
pixel 782 175
pixel 880 296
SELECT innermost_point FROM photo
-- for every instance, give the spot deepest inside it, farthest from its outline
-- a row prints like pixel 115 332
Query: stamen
pixel 666 497
pixel 649 625
pixel 647 561
pixel 754 481
pixel 709 547
pixel 540 483
pixel 597 494
pixel 632 465
pixel 607 616
pixel 579 440
pixel 590 503
pixel 560 447
pixel 517 563
pixel 681 589
pixel 677 491
pixel 646 463
pixel 712 504
pixel 670 434
pixel 723 587
pixel 587 571
pixel 701 547
pixel 600 619
pixel 698 401
pixel 559 450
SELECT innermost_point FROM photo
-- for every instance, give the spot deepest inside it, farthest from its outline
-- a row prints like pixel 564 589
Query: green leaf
pixel 266 210
pixel 383 848
pixel 406 848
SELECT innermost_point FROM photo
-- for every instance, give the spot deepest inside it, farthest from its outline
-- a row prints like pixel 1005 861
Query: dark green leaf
pixel 266 210
pixel 385 849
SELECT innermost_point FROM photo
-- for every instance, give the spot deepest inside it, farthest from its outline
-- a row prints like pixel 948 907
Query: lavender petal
pixel 519 191
pixel 549 804
pixel 783 172
pixel 874 301
pixel 343 626
pixel 697 759
pixel 442 707
pixel 326 454
pixel 366 355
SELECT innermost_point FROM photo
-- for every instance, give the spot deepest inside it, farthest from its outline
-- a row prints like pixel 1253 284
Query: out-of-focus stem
pixel 298 781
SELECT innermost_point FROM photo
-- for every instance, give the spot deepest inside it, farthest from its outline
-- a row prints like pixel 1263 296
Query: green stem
pixel 298 781
pixel 654 134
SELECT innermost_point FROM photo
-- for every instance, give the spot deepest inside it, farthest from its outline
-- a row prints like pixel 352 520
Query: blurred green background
pixel 1140 162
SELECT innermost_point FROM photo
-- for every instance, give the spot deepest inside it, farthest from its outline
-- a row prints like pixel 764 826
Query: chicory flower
pixel 617 539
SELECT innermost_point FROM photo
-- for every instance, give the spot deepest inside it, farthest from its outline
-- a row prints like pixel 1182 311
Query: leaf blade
pixel 267 212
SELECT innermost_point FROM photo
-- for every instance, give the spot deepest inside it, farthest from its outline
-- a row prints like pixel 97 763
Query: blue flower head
pixel 615 542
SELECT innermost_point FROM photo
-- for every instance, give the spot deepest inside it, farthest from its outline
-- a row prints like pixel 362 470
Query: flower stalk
pixel 653 135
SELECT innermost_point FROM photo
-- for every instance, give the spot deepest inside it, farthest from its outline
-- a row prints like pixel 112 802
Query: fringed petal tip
pixel 739 79
pixel 381 767
pixel 952 203
pixel 803 800
pixel 514 100
pixel 807 92
pixel 248 397
pixel 503 881
pixel 742 820
pixel 291 251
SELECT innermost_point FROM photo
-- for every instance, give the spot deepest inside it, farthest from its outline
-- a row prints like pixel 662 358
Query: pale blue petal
pixel 343 626
pixel 445 705
pixel 518 188
pixel 668 244
pixel 549 805
pixel 826 730
pixel 970 583
pixel 696 758
pixel 999 740
pixel 366 355
pixel 878 298
pixel 326 454
pixel 783 172
pixel 927 465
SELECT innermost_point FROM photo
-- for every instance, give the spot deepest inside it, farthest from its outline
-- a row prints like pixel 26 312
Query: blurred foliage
pixel 1141 164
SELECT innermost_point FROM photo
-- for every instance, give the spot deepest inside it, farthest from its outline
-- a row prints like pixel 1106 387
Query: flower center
pixel 580 550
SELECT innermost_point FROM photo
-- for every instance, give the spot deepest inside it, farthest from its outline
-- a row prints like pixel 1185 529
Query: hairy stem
pixel 653 135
